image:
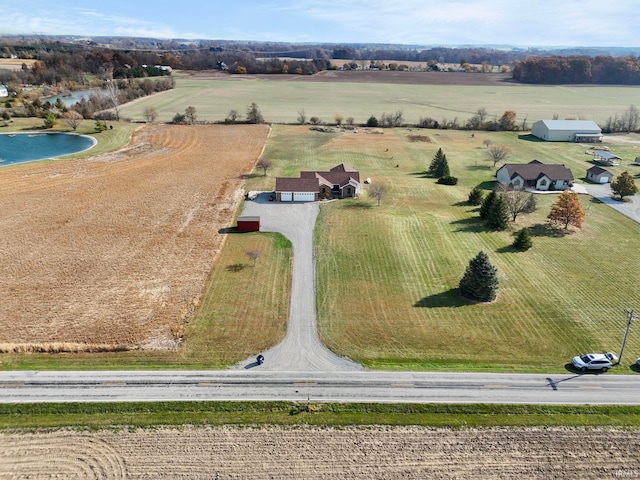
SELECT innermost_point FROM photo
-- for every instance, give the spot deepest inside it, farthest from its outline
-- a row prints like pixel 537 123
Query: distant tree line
pixel 578 69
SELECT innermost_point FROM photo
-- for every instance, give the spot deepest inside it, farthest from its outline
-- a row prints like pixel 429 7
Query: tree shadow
pixel 247 176
pixel 508 249
pixel 449 298
pixel 478 167
pixel 236 267
pixel 487 185
pixel 471 224
pixel 548 230
pixel 350 204
pixel 424 174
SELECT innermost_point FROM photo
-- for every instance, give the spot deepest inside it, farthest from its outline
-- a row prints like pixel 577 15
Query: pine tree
pixel 435 163
pixel 475 196
pixel 480 280
pixel 523 240
pixel 443 168
pixel 498 214
pixel 486 204
pixel 567 210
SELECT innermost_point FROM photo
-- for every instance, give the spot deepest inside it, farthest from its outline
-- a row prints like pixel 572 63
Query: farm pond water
pixel 26 147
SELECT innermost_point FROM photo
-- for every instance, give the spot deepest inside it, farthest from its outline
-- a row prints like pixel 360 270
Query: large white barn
pixel 567 131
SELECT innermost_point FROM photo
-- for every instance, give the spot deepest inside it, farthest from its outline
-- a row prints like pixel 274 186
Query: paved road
pixel 231 385
pixel 301 350
pixel 630 208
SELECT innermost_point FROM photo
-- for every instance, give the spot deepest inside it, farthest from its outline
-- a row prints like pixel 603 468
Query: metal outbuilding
pixel 567 131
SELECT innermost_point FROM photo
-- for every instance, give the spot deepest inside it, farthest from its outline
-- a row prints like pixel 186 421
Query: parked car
pixel 594 361
pixel 638 362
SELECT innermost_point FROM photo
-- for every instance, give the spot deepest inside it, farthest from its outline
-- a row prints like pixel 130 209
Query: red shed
pixel 248 224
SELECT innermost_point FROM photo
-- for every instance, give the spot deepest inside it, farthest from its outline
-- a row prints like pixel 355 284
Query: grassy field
pixel 396 305
pixel 281 98
pixel 145 414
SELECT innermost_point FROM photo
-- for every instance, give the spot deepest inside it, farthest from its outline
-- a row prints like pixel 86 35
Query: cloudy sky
pixel 422 22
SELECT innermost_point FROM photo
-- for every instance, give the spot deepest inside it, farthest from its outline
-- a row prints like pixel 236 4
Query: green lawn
pixel 387 276
pixel 280 101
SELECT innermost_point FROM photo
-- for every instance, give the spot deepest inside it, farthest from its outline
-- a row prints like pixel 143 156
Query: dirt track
pixel 322 453
pixel 115 249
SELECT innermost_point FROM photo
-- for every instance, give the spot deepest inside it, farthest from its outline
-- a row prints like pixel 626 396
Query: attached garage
pixel 304 196
pixel 286 196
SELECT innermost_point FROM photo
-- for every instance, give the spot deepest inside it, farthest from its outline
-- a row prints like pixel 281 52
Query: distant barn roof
pixel 577 125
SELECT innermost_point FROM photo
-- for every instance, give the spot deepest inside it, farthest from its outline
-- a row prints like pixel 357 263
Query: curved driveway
pixel 630 208
pixel 301 349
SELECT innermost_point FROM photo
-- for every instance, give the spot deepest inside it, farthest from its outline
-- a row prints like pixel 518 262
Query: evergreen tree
pixel 443 168
pixel 475 196
pixel 486 205
pixel 435 163
pixel 498 214
pixel 523 240
pixel 480 280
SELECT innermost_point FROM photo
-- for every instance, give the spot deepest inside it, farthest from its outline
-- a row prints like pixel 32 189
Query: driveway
pixel 301 349
pixel 630 208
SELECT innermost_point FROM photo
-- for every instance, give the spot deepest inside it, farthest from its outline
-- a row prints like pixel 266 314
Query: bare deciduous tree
pixel 497 153
pixel 73 119
pixel 302 117
pixel 253 114
pixel 233 116
pixel 190 115
pixel 150 114
pixel 487 142
pixel 113 93
pixel 253 255
pixel 264 164
pixel 518 201
pixel 377 192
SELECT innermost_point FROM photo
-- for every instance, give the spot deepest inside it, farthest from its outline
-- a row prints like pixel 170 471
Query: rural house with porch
pixel 341 181
pixel 535 175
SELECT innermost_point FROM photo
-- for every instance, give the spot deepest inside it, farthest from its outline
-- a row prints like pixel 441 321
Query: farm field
pixel 387 452
pixel 387 275
pixel 360 94
pixel 112 252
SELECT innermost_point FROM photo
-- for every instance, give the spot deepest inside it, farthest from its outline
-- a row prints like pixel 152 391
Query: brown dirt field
pixel 322 453
pixel 115 249
pixel 15 64
pixel 369 76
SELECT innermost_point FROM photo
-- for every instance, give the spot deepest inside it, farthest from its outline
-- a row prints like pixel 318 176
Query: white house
pixel 599 175
pixel 567 131
pixel 535 175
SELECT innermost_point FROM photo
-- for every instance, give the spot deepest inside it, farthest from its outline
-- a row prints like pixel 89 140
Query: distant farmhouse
pixel 341 181
pixel 567 131
pixel 535 175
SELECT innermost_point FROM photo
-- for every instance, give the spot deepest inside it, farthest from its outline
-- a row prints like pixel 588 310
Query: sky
pixel 412 22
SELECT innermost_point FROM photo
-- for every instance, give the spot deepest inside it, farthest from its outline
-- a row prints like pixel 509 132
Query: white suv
pixel 594 361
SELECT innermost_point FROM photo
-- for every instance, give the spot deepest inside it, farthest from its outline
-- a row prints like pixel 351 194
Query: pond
pixel 26 147
pixel 71 98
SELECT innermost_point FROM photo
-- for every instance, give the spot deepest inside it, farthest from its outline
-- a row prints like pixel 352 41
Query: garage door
pixel 286 196
pixel 304 196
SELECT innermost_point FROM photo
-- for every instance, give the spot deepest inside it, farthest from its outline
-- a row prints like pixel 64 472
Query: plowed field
pixel 322 453
pixel 113 251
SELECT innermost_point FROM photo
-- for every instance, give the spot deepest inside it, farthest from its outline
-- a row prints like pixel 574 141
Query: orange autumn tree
pixel 567 210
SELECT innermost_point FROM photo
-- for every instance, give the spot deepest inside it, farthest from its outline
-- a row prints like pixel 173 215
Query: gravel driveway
pixel 301 349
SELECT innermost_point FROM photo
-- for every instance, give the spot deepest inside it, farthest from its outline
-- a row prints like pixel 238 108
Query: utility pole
pixel 632 316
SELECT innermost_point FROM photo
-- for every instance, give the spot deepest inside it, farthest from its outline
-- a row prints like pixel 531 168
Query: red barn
pixel 248 224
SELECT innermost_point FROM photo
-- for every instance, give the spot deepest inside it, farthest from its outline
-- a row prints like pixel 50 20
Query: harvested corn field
pixel 113 251
pixel 317 452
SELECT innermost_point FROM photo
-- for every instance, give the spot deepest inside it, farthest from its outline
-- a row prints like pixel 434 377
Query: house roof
pixel 598 170
pixel 535 169
pixel 585 126
pixel 310 181
pixel 296 185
